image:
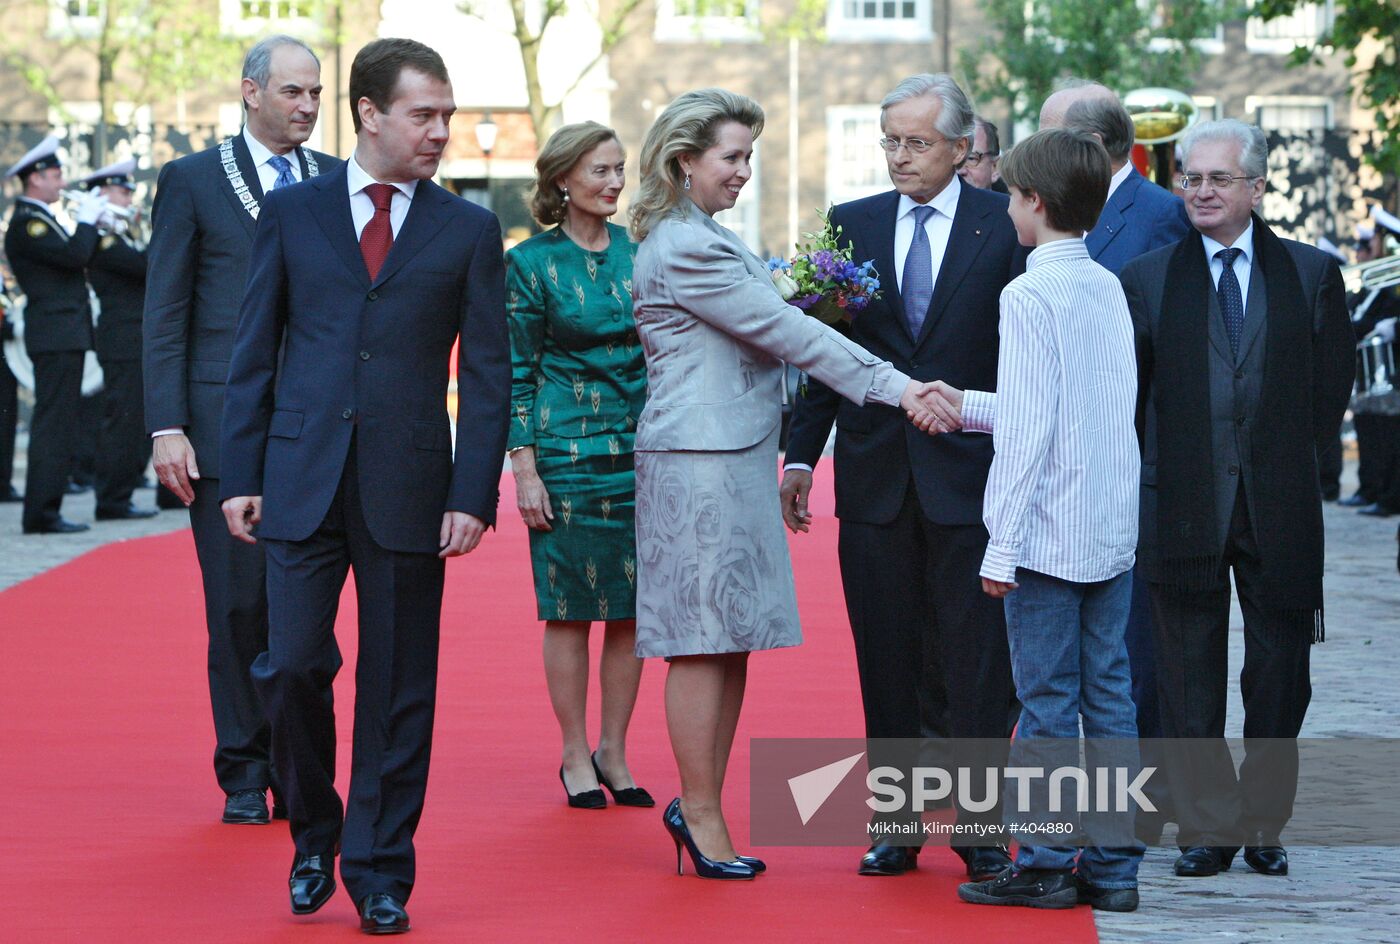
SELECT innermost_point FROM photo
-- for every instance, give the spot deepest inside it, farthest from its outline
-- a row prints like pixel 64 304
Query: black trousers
pixel 399 596
pixel 1213 806
pixel 1378 464
pixel 124 448
pixel 9 422
pixel 929 643
pixel 85 439
pixel 235 611
pixel 58 392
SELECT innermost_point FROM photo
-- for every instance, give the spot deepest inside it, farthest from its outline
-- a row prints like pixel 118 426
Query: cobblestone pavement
pixel 1331 894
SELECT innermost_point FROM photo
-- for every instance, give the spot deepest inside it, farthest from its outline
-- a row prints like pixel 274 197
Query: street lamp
pixel 486 131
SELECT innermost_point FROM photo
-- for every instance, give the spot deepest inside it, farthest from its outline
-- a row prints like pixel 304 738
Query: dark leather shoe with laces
pixel 883 859
pixel 129 513
pixel 1204 861
pixel 1267 860
pixel 246 807
pixel 1355 501
pixel 312 882
pixel 382 914
pixel 57 526
pixel 1374 510
pixel 1106 899
pixel 984 862
pixel 1033 888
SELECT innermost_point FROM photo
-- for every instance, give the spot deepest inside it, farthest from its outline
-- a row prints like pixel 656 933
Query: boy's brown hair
pixel 1068 170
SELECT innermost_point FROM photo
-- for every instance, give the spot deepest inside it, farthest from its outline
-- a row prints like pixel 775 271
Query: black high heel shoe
pixel 705 867
pixel 627 796
pixel 758 865
pixel 587 800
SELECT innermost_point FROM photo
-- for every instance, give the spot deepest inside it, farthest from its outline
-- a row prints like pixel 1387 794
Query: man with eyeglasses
pixel 931 648
pixel 979 167
pixel 1244 370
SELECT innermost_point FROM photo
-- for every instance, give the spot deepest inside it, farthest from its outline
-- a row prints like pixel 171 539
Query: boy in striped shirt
pixel 1061 506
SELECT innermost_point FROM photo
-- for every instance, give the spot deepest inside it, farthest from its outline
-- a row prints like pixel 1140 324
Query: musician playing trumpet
pixel 1373 313
pixel 117 274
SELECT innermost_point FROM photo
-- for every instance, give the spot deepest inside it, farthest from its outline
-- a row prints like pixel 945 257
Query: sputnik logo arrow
pixel 812 789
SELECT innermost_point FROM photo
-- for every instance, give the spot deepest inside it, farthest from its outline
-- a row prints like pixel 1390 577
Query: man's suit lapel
pixel 425 218
pixel 1256 308
pixel 1114 215
pixel 338 224
pixel 968 236
pixel 879 236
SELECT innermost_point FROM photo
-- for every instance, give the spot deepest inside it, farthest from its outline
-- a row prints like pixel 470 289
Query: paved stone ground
pixel 1332 894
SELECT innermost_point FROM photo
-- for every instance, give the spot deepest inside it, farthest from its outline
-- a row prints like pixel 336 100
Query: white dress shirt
pixel 362 207
pixel 1116 181
pixel 939 227
pixel 1245 241
pixel 1062 493
pixel 261 153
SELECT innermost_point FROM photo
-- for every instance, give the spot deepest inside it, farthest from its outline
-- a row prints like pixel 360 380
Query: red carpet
pixel 111 829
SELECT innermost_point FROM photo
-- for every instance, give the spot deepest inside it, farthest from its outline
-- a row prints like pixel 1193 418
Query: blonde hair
pixel 688 125
pixel 565 148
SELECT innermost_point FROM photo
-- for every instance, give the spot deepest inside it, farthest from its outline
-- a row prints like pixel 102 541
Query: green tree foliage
pixel 1359 24
pixel 1033 44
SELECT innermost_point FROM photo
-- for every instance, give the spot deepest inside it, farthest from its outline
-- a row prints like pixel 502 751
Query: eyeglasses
pixel 915 145
pixel 1217 181
pixel 975 157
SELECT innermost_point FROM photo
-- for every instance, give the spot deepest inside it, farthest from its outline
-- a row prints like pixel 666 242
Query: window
pixel 254 17
pixel 75 18
pixel 1290 113
pixel 1303 27
pixel 1208 108
pixel 855 165
pixel 890 20
pixel 1160 19
pixel 744 218
pixel 696 20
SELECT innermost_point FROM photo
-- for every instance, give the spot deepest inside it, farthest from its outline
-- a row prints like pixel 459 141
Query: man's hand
pixel 460 533
pixel 939 408
pixel 242 513
pixel 996 588
pixel 792 494
pixel 173 457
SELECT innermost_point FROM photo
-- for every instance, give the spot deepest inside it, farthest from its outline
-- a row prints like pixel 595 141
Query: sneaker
pixel 1034 888
pixel 1106 899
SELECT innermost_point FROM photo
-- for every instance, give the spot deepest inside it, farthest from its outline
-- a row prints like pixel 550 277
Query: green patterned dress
pixel 578 385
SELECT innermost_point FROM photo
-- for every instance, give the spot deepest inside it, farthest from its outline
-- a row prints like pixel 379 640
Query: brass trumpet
pixel 1377 273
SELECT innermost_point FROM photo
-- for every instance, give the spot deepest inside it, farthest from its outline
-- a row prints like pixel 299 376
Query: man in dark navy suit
pixel 339 450
pixel 205 212
pixel 930 646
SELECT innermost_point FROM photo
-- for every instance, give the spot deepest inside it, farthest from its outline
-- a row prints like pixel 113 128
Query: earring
pixel 687 181
pixel 566 194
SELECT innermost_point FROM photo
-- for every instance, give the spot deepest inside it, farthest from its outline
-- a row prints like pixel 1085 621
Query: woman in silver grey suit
pixel 714 581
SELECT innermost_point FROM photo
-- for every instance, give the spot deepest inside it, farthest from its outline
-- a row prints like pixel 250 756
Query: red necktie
pixel 378 236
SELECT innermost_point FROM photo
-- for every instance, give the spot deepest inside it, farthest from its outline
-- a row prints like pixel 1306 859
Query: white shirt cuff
pixel 979 411
pixel 800 466
pixel 169 431
pixel 999 563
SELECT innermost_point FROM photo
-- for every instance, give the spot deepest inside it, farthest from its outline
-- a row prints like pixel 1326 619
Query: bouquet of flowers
pixel 822 280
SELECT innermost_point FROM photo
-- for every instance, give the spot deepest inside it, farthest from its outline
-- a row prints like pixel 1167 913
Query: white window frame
pixel 1208 108
pixel 1209 45
pixel 1253 104
pixel 234 23
pixel 841 28
pixel 1272 45
pixel 745 218
pixel 82 26
pixel 837 189
pixel 672 27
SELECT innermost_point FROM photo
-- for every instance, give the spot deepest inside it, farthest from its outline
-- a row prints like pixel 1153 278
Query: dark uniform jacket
pixel 48 264
pixel 118 276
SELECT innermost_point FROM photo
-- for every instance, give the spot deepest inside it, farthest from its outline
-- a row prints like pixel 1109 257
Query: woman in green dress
pixel 579 383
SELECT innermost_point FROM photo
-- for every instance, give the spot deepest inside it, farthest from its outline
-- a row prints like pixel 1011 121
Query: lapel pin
pixel 978 233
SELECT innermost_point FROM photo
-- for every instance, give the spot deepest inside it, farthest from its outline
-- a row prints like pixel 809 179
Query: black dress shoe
pixel 130 512
pixel 246 807
pixel 627 796
pixel 984 862
pixel 1355 501
pixel 587 800
pixel 312 882
pixel 382 914
pixel 1204 861
pixel 279 808
pixel 1375 510
pixel 885 859
pixel 10 494
pixel 1267 860
pixel 57 526
pixel 76 488
pixel 1106 899
pixel 1034 888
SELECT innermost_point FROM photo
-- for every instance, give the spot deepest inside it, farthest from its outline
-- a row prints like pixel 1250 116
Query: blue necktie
pixel 917 285
pixel 1231 304
pixel 284 171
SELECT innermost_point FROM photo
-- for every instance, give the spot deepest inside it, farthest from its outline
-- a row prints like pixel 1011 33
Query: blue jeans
pixel 1069 661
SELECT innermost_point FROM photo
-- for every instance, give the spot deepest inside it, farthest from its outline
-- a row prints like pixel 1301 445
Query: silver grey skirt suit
pixel 713 572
